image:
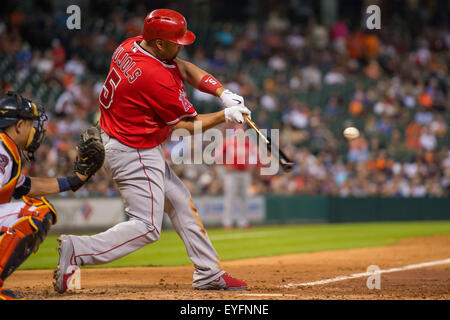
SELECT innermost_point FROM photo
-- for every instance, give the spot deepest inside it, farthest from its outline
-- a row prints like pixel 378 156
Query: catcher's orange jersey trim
pixel 7 190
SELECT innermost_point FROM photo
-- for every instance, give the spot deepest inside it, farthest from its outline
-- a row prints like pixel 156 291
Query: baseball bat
pixel 285 163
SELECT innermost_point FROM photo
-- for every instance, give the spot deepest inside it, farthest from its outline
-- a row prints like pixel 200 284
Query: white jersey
pixel 6 166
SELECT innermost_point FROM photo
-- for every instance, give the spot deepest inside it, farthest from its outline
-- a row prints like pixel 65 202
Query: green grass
pixel 260 241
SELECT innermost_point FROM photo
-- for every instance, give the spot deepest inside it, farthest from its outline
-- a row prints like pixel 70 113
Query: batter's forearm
pixel 202 121
pixel 193 75
pixel 211 120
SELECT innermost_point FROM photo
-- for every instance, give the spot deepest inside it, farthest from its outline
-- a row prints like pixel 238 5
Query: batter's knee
pixel 149 231
pixel 153 234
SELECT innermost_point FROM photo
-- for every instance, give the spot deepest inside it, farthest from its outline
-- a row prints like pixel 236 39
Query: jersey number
pixel 110 85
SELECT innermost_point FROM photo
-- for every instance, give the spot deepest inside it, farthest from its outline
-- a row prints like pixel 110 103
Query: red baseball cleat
pixel 226 282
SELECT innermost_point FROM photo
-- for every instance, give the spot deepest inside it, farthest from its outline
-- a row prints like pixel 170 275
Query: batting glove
pixel 236 113
pixel 230 99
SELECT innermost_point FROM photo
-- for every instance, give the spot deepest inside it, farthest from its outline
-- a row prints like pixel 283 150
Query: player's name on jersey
pixel 226 309
pixel 125 64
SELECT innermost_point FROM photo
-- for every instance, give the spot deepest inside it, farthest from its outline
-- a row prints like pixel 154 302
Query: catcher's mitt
pixel 91 153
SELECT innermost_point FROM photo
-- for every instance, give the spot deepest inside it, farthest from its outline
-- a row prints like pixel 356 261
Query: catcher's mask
pixel 13 108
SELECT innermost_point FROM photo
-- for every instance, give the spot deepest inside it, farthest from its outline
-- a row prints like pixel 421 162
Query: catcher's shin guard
pixel 25 236
pixel 10 295
pixel 44 216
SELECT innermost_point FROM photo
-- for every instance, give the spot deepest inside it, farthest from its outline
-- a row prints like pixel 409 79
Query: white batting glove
pixel 230 99
pixel 236 113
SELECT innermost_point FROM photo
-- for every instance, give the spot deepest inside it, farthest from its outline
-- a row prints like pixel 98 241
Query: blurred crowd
pixel 307 79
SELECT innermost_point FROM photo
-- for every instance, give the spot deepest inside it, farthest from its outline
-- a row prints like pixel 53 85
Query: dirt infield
pixel 267 276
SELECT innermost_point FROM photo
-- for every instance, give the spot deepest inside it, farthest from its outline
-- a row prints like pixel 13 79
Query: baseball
pixel 351 133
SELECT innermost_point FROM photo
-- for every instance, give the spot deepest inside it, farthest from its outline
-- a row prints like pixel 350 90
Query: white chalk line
pixel 267 295
pixel 368 274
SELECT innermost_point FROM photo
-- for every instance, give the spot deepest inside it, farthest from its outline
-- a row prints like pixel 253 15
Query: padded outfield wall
pixel 98 214
pixel 313 209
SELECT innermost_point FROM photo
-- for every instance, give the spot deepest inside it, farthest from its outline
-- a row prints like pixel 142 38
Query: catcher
pixel 25 224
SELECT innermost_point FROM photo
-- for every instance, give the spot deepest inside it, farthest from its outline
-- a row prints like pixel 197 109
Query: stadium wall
pixel 313 209
pixel 98 214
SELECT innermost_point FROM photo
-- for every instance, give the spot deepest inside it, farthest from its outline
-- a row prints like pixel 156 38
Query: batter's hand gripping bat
pixel 286 164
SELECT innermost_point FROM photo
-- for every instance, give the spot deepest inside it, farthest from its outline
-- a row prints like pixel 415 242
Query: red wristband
pixel 209 84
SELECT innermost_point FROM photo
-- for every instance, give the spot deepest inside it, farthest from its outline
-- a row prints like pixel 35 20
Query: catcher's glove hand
pixel 91 153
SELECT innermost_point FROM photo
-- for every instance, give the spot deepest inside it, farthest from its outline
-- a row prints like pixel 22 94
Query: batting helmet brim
pixel 187 39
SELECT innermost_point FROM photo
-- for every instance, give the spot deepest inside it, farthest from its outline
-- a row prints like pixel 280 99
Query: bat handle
pixel 256 128
pixel 248 120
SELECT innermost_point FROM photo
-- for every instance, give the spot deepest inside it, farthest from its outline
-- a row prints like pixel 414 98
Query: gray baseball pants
pixel 236 185
pixel 149 188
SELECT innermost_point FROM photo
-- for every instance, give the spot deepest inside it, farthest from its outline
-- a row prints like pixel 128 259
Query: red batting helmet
pixel 168 25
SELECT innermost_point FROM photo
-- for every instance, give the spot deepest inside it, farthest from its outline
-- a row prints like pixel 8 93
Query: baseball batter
pixel 25 224
pixel 143 99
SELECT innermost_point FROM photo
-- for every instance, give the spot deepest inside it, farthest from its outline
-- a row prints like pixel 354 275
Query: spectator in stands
pixel 358 150
pixel 75 66
pixel 339 34
pixel 311 78
pixel 333 107
pixel 427 139
pixel 413 133
pixel 44 63
pixel 334 76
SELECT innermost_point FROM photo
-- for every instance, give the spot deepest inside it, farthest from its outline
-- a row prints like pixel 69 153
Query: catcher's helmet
pixel 168 25
pixel 14 107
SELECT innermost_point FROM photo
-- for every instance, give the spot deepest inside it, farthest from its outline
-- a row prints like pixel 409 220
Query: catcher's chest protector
pixel 7 190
